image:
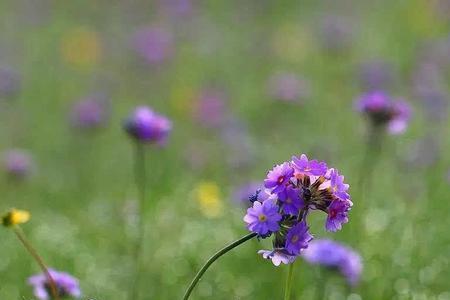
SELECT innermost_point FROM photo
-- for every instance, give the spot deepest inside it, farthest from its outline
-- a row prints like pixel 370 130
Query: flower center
pixel 333 213
pixel 262 217
pixel 280 179
pixel 294 239
pixel 288 200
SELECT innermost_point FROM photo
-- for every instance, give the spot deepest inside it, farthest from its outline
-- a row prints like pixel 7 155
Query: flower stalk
pixel 52 285
pixel 210 261
pixel 287 290
pixel 140 179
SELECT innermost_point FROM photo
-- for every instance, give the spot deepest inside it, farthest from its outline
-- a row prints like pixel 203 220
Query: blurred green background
pixel 81 192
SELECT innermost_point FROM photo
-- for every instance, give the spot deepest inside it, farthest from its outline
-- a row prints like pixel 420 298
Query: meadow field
pixel 246 85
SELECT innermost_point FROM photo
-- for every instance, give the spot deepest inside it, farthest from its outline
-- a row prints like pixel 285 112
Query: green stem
pixel 53 290
pixel 140 178
pixel 213 259
pixel 288 287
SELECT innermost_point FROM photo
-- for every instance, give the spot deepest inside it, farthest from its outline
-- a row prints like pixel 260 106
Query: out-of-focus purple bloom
pixel 263 218
pixel 435 103
pixel 278 177
pixel 288 87
pixel 336 33
pixel 244 193
pixel 401 115
pixel 67 285
pixel 18 163
pixel 211 109
pixel 337 214
pixel 292 203
pixel 10 82
pixel 309 167
pixel 153 44
pixel 293 189
pixel 383 111
pixel 335 255
pixel 177 8
pixel 147 126
pixel 278 256
pixel 298 238
pixel 375 75
pixel 90 113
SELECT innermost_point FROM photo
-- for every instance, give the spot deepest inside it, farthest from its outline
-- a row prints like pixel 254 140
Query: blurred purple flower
pixel 375 75
pixel 288 87
pixel 176 8
pixel 211 109
pixel 309 167
pixel 153 44
pixel 18 163
pixel 240 148
pixel 147 126
pixel 67 285
pixel 335 255
pixel 244 192
pixel 10 82
pixel 90 112
pixel 381 110
pixel 336 33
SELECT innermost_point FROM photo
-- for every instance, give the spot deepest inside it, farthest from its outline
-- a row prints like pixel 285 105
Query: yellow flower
pixel 81 47
pixel 15 217
pixel 208 197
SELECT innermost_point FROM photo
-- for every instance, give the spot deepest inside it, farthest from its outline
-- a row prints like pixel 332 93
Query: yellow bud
pixel 15 217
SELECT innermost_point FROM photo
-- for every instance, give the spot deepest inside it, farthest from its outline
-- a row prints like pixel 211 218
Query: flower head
pixel 18 163
pixel 147 126
pixel 153 44
pixel 288 87
pixel 383 111
pixel 10 82
pixel 66 285
pixel 263 218
pixel 89 113
pixel 335 255
pixel 292 191
pixel 15 217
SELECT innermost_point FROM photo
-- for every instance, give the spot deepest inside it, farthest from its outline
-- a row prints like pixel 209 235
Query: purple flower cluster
pixel 66 285
pixel 291 191
pixel 382 110
pixel 335 255
pixel 145 125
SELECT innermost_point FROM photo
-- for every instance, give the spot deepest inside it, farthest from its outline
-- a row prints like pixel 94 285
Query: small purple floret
pixel 263 218
pixel 278 256
pixel 309 167
pixel 298 238
pixel 278 177
pixel 337 214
